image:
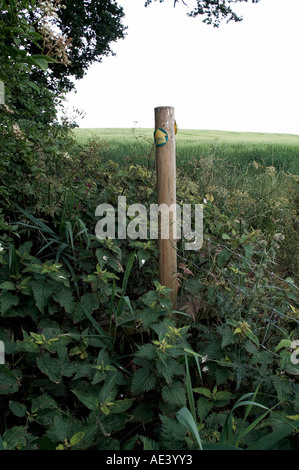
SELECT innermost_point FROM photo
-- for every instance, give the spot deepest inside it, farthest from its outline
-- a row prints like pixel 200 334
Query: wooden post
pixel 166 184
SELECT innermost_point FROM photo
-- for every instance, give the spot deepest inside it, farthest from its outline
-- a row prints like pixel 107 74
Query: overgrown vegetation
pixel 95 357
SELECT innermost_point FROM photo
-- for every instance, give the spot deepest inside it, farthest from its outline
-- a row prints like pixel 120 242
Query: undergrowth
pixel 95 356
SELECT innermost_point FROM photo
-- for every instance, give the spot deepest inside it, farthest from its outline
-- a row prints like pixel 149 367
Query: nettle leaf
pixel 60 429
pixel 68 368
pixel 88 399
pixel 15 437
pixel 108 392
pixel 42 291
pixel 283 387
pixel 168 368
pixel 149 316
pixel 18 409
pixel 88 302
pixel 65 299
pixel 150 298
pixel 228 337
pixel 45 417
pixel 172 430
pixel 43 402
pixel 149 444
pixel 8 300
pixel 147 350
pixel 120 406
pixel 142 381
pixel 7 285
pixel 204 406
pixel 9 381
pixel 144 412
pixel 50 367
pixel 175 393
pixel 203 391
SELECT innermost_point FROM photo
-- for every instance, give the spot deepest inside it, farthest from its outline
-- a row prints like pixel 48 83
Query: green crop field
pixel 240 148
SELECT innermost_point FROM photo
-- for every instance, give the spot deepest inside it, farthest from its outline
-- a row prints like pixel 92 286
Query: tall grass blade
pixel 39 224
pixel 250 427
pixel 267 442
pixel 185 417
pixel 124 284
pixel 218 446
pixel 196 357
pixel 95 324
pixel 227 431
pixel 69 234
pixel 189 389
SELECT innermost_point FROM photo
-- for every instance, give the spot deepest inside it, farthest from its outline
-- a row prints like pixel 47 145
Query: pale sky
pixel 240 77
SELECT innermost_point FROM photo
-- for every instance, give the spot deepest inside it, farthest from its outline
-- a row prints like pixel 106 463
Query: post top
pixel 164 107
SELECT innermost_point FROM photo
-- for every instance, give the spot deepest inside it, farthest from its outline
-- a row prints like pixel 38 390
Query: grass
pixel 251 176
pixel 241 148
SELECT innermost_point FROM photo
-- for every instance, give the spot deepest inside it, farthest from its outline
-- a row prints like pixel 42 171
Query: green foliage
pixel 93 26
pixel 95 356
pixel 93 349
pixel 214 11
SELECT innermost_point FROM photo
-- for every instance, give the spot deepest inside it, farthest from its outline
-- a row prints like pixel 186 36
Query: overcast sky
pixel 240 77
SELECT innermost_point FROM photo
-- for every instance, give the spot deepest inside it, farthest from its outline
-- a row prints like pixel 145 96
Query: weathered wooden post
pixel 166 185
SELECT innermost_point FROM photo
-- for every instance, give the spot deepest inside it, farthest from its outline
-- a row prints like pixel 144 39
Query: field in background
pixel 279 150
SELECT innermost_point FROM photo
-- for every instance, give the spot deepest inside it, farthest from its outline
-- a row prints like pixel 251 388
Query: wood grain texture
pixel 166 186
